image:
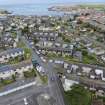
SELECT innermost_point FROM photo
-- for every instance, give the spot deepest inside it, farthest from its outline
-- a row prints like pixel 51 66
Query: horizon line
pixel 84 2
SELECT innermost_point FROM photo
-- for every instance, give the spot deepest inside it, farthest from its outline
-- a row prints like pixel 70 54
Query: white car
pixel 25 101
pixel 51 61
pixel 40 69
pixel 38 52
pixel 44 60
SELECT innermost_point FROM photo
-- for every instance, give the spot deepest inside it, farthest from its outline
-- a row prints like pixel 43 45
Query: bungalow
pixel 8 70
pixel 12 53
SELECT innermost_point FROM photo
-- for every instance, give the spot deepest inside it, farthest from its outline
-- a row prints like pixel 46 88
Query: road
pixel 54 87
pixel 19 95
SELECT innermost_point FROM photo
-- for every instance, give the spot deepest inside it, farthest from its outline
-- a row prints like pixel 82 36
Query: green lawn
pixel 21 44
pixel 6 82
pixel 13 60
pixel 30 73
pixel 43 78
pixel 93 6
pixel 89 59
pixel 70 59
pixel 14 34
pixel 27 51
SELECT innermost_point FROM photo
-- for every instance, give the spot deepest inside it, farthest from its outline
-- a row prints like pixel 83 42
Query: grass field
pixel 93 6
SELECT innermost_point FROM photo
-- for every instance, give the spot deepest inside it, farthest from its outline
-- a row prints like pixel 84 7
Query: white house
pixel 99 51
pixel 103 57
pixel 68 83
pixel 86 70
pixel 100 72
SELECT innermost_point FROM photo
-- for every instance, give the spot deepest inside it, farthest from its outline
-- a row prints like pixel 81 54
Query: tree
pixel 84 53
pixel 78 95
pixel 14 77
pixel 2 80
pixel 35 41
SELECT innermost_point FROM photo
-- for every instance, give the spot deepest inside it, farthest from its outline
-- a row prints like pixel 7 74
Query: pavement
pixel 17 84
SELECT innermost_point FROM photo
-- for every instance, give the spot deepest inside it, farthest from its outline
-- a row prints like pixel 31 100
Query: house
pixel 90 50
pixel 46 36
pixel 99 51
pixel 100 73
pixel 59 50
pixel 86 70
pixel 8 41
pixel 8 70
pixel 68 83
pixel 42 28
pixel 45 43
pixel 74 67
pixel 66 65
pixel 100 92
pixel 103 57
pixel 58 62
pixel 12 53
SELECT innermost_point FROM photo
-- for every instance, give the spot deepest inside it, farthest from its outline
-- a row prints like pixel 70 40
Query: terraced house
pixel 8 41
pixel 46 36
pixel 59 50
pixel 18 69
pixel 12 53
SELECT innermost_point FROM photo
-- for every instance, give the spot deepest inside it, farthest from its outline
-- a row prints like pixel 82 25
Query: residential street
pixel 53 84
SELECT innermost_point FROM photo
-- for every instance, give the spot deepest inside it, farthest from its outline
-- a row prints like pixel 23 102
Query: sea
pixel 35 9
pixel 30 9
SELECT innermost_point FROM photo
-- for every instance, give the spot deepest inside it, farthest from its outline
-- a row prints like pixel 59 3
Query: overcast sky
pixel 44 1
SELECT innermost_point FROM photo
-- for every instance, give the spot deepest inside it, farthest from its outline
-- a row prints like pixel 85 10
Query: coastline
pixel 70 7
pixel 4 13
pixel 39 9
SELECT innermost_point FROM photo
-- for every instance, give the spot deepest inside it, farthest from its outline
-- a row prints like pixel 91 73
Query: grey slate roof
pixel 14 67
pixel 14 50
